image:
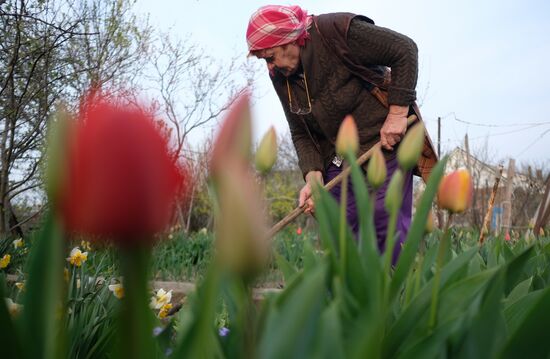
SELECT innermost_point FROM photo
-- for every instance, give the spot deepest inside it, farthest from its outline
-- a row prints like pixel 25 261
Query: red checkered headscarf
pixel 275 25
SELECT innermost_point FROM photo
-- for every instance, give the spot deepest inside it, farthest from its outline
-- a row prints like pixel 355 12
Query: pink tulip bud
pixel 455 191
pixel 347 139
pixel 241 229
pixel 233 144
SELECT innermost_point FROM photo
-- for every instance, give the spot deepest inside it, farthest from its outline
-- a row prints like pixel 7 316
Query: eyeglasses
pixel 296 109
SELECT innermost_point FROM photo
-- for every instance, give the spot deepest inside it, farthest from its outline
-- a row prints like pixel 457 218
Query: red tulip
pixel 299 231
pixel 455 191
pixel 121 181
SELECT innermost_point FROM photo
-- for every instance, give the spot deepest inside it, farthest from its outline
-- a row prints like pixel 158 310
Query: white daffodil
pixel 77 257
pixel 18 243
pixel 117 289
pixel 20 286
pixel 13 308
pixel 161 298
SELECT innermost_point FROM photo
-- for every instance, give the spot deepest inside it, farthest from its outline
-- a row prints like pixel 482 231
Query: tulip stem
pixel 343 224
pixel 135 322
pixel 390 242
pixel 443 245
pixel 418 275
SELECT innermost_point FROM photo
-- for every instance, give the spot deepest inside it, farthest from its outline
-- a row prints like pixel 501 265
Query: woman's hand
pixel 305 197
pixel 394 127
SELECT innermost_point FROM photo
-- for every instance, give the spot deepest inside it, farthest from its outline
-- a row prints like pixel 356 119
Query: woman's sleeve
pixel 375 45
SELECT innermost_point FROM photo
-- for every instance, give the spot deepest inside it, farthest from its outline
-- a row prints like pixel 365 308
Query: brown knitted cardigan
pixel 336 91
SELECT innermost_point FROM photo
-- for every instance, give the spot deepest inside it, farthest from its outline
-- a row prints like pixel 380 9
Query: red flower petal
pixel 121 180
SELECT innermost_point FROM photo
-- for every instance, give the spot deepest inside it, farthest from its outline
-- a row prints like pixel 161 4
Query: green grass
pixel 176 257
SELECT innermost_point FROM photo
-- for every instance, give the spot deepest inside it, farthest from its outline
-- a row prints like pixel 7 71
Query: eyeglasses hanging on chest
pixel 295 106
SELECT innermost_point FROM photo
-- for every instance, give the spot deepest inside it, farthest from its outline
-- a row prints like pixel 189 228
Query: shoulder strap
pixel 333 30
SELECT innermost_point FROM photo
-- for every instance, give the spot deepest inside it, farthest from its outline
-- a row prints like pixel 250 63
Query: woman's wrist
pixel 399 110
pixel 314 176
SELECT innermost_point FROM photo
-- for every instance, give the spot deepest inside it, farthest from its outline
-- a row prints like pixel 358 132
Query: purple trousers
pixel 381 217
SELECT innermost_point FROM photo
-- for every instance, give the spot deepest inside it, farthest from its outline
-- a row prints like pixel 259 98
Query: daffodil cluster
pixel 86 245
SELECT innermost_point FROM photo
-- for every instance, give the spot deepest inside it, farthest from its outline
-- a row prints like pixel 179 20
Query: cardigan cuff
pixel 401 96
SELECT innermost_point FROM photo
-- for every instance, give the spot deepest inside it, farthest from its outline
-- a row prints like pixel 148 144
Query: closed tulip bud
pixel 394 194
pixel 267 152
pixel 233 144
pixel 455 191
pixel 430 222
pixel 347 139
pixel 242 245
pixel 411 147
pixel 376 169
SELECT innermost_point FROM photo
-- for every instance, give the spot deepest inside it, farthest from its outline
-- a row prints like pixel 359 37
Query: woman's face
pixel 284 59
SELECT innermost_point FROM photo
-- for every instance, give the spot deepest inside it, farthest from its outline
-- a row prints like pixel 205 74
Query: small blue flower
pixel 157 331
pixel 223 331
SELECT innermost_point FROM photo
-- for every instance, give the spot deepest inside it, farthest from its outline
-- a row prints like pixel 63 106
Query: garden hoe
pixel 345 172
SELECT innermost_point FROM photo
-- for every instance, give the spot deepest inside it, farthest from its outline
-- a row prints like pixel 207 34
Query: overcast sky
pixel 484 65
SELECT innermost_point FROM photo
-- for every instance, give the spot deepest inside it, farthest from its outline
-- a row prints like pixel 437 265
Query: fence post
pixel 543 212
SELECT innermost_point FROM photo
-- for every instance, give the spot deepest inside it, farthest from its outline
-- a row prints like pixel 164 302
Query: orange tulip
pixel 455 191
pixel 347 139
